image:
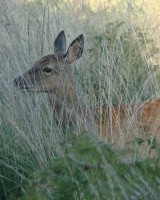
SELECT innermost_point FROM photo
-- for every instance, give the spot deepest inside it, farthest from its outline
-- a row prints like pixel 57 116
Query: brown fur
pixel 145 116
pixel 142 119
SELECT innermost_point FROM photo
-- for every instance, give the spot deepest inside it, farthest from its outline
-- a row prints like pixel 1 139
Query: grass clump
pixel 93 171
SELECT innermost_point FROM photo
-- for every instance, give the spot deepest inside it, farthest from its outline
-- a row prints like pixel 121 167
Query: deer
pixel 53 74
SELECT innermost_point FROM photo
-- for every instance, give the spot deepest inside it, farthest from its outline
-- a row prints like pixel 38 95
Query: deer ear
pixel 60 44
pixel 75 49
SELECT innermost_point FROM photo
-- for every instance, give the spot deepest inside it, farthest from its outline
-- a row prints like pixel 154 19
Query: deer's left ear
pixel 75 49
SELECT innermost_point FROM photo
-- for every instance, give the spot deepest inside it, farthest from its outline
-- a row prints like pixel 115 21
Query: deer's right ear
pixel 60 44
pixel 75 49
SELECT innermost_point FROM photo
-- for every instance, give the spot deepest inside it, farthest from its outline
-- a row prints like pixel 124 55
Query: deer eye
pixel 47 70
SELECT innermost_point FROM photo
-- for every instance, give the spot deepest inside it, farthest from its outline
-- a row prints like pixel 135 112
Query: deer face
pixel 52 72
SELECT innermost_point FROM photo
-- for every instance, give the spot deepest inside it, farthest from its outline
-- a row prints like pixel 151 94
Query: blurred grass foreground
pixel 120 64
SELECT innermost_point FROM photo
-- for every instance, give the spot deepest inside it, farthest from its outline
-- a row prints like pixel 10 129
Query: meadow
pixel 120 65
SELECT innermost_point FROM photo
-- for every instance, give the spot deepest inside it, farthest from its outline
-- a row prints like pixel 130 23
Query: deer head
pixel 53 73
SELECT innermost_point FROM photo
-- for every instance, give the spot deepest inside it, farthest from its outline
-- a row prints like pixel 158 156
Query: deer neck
pixel 67 107
pixel 65 99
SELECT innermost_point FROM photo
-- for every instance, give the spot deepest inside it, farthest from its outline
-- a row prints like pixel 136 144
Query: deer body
pixel 145 116
pixel 53 74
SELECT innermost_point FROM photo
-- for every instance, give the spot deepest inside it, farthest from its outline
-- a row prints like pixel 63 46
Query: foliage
pixel 93 171
pixel 13 170
pixel 124 75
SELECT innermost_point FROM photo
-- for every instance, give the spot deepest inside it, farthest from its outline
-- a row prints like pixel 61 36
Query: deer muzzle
pixel 21 83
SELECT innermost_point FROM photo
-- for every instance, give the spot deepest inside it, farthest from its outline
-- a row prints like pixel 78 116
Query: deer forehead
pixel 50 61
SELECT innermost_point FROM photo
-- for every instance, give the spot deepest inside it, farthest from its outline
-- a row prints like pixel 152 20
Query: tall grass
pixel 120 65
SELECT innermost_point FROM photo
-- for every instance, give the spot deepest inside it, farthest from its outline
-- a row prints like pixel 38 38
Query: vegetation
pixel 85 174
pixel 39 160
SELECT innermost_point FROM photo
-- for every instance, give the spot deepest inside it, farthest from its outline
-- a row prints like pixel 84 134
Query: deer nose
pixel 20 83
